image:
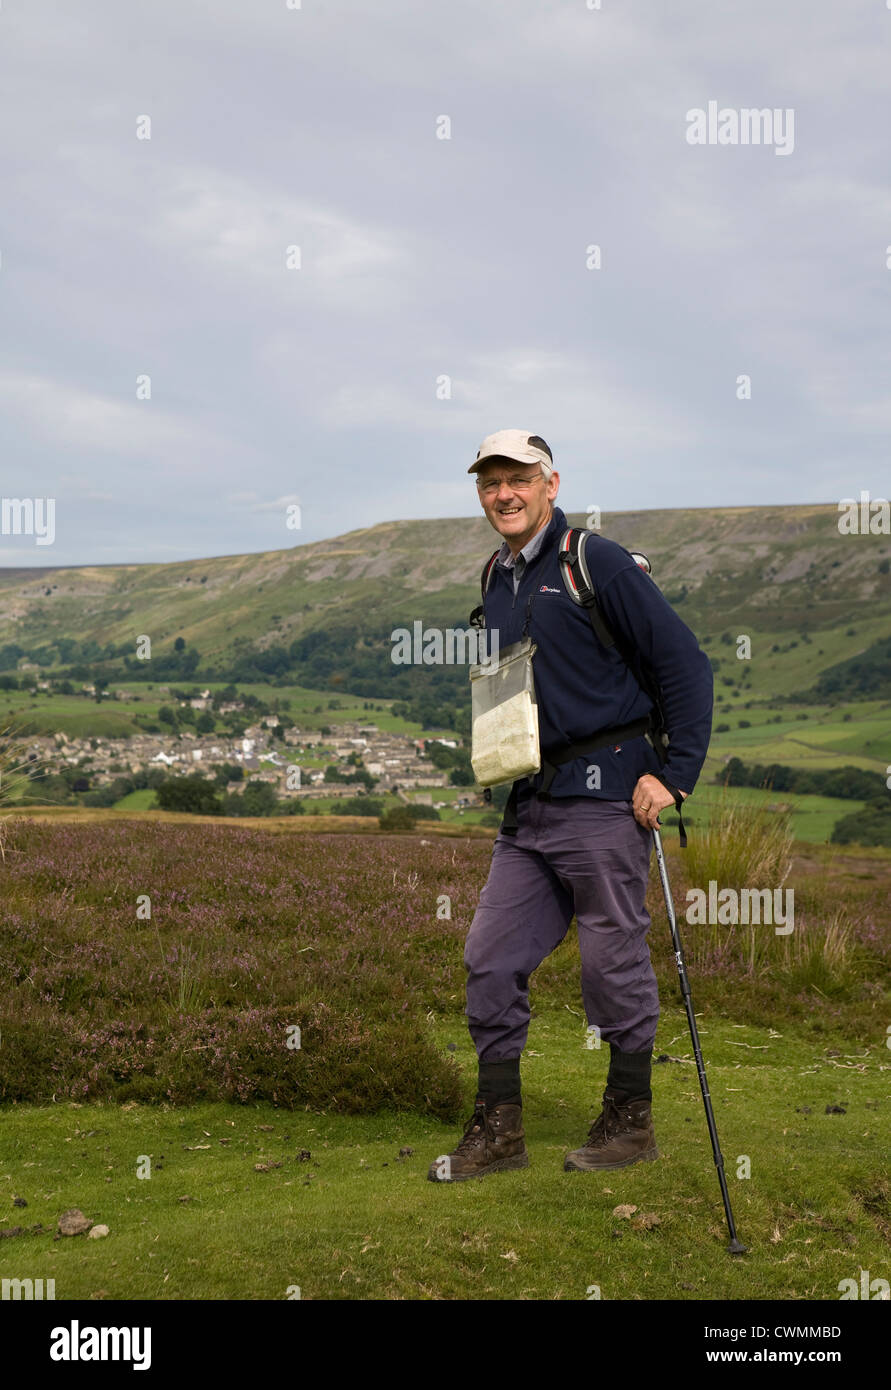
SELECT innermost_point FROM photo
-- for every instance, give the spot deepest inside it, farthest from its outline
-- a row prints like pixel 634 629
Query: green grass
pixel 471 815
pixel 321 805
pixel 310 708
pixel 77 716
pixel 142 800
pixel 823 739
pixel 358 1222
pixel 82 717
pixel 792 670
pixel 813 817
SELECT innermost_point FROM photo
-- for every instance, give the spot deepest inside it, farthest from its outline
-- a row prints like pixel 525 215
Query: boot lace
pixel 610 1121
pixel 477 1130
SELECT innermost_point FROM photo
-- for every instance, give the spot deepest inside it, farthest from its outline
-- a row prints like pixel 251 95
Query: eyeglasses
pixel 516 484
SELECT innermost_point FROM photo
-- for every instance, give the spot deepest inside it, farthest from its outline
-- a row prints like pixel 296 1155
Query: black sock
pixel 499 1082
pixel 630 1073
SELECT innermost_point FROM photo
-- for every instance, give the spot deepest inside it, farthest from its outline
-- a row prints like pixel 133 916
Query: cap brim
pixel 507 458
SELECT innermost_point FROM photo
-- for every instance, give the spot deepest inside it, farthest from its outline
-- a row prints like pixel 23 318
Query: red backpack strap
pixel 577 580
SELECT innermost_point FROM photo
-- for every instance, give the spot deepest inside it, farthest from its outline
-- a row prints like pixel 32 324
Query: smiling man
pixel 578 844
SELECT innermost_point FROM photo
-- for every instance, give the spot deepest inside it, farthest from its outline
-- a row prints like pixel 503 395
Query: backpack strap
pixel 486 575
pixel 578 583
pixel 477 617
pixel 580 587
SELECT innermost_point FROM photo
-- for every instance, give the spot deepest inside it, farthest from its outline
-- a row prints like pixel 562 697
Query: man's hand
pixel 651 797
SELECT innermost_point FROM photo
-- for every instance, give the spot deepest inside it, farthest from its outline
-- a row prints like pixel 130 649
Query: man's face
pixel 516 513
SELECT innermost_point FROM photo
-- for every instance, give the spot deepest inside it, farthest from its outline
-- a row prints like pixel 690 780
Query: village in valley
pixel 293 761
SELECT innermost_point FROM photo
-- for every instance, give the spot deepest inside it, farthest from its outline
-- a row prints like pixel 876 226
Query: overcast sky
pixel 433 267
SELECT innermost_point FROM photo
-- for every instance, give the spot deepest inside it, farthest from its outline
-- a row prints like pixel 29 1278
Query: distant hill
pixel 809 597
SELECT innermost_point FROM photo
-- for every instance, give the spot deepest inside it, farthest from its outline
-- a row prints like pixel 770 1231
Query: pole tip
pixel 736 1247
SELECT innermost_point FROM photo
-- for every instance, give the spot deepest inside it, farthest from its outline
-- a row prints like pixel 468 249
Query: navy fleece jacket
pixel 582 686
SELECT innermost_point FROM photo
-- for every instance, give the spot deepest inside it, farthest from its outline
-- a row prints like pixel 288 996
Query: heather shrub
pixel 172 962
pixel 250 935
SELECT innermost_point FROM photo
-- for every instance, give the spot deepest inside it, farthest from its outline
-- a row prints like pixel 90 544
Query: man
pixel 583 847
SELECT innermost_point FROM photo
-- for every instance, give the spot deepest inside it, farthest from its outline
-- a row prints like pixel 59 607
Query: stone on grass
pixel 73 1222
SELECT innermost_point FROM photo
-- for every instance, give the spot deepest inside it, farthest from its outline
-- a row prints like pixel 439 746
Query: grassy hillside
pixel 794 616
pixel 773 573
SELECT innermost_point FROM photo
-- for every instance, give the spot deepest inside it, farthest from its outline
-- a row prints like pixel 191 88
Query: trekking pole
pixel 736 1246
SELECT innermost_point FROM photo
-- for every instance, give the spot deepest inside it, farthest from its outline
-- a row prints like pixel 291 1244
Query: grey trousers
pixel 573 855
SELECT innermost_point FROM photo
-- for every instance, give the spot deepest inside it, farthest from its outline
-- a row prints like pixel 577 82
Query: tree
pixel 228 772
pixel 111 793
pixel 871 826
pixel 257 799
pixel 405 817
pixel 194 794
pixel 734 774
pixel 358 806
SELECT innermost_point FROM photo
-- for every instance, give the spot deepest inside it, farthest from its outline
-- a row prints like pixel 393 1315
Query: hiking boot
pixel 621 1134
pixel 492 1142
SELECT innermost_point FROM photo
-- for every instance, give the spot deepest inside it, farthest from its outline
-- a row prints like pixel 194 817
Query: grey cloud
pixel 422 257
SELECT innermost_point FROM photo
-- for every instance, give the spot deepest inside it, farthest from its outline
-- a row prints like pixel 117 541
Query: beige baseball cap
pixel 515 444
